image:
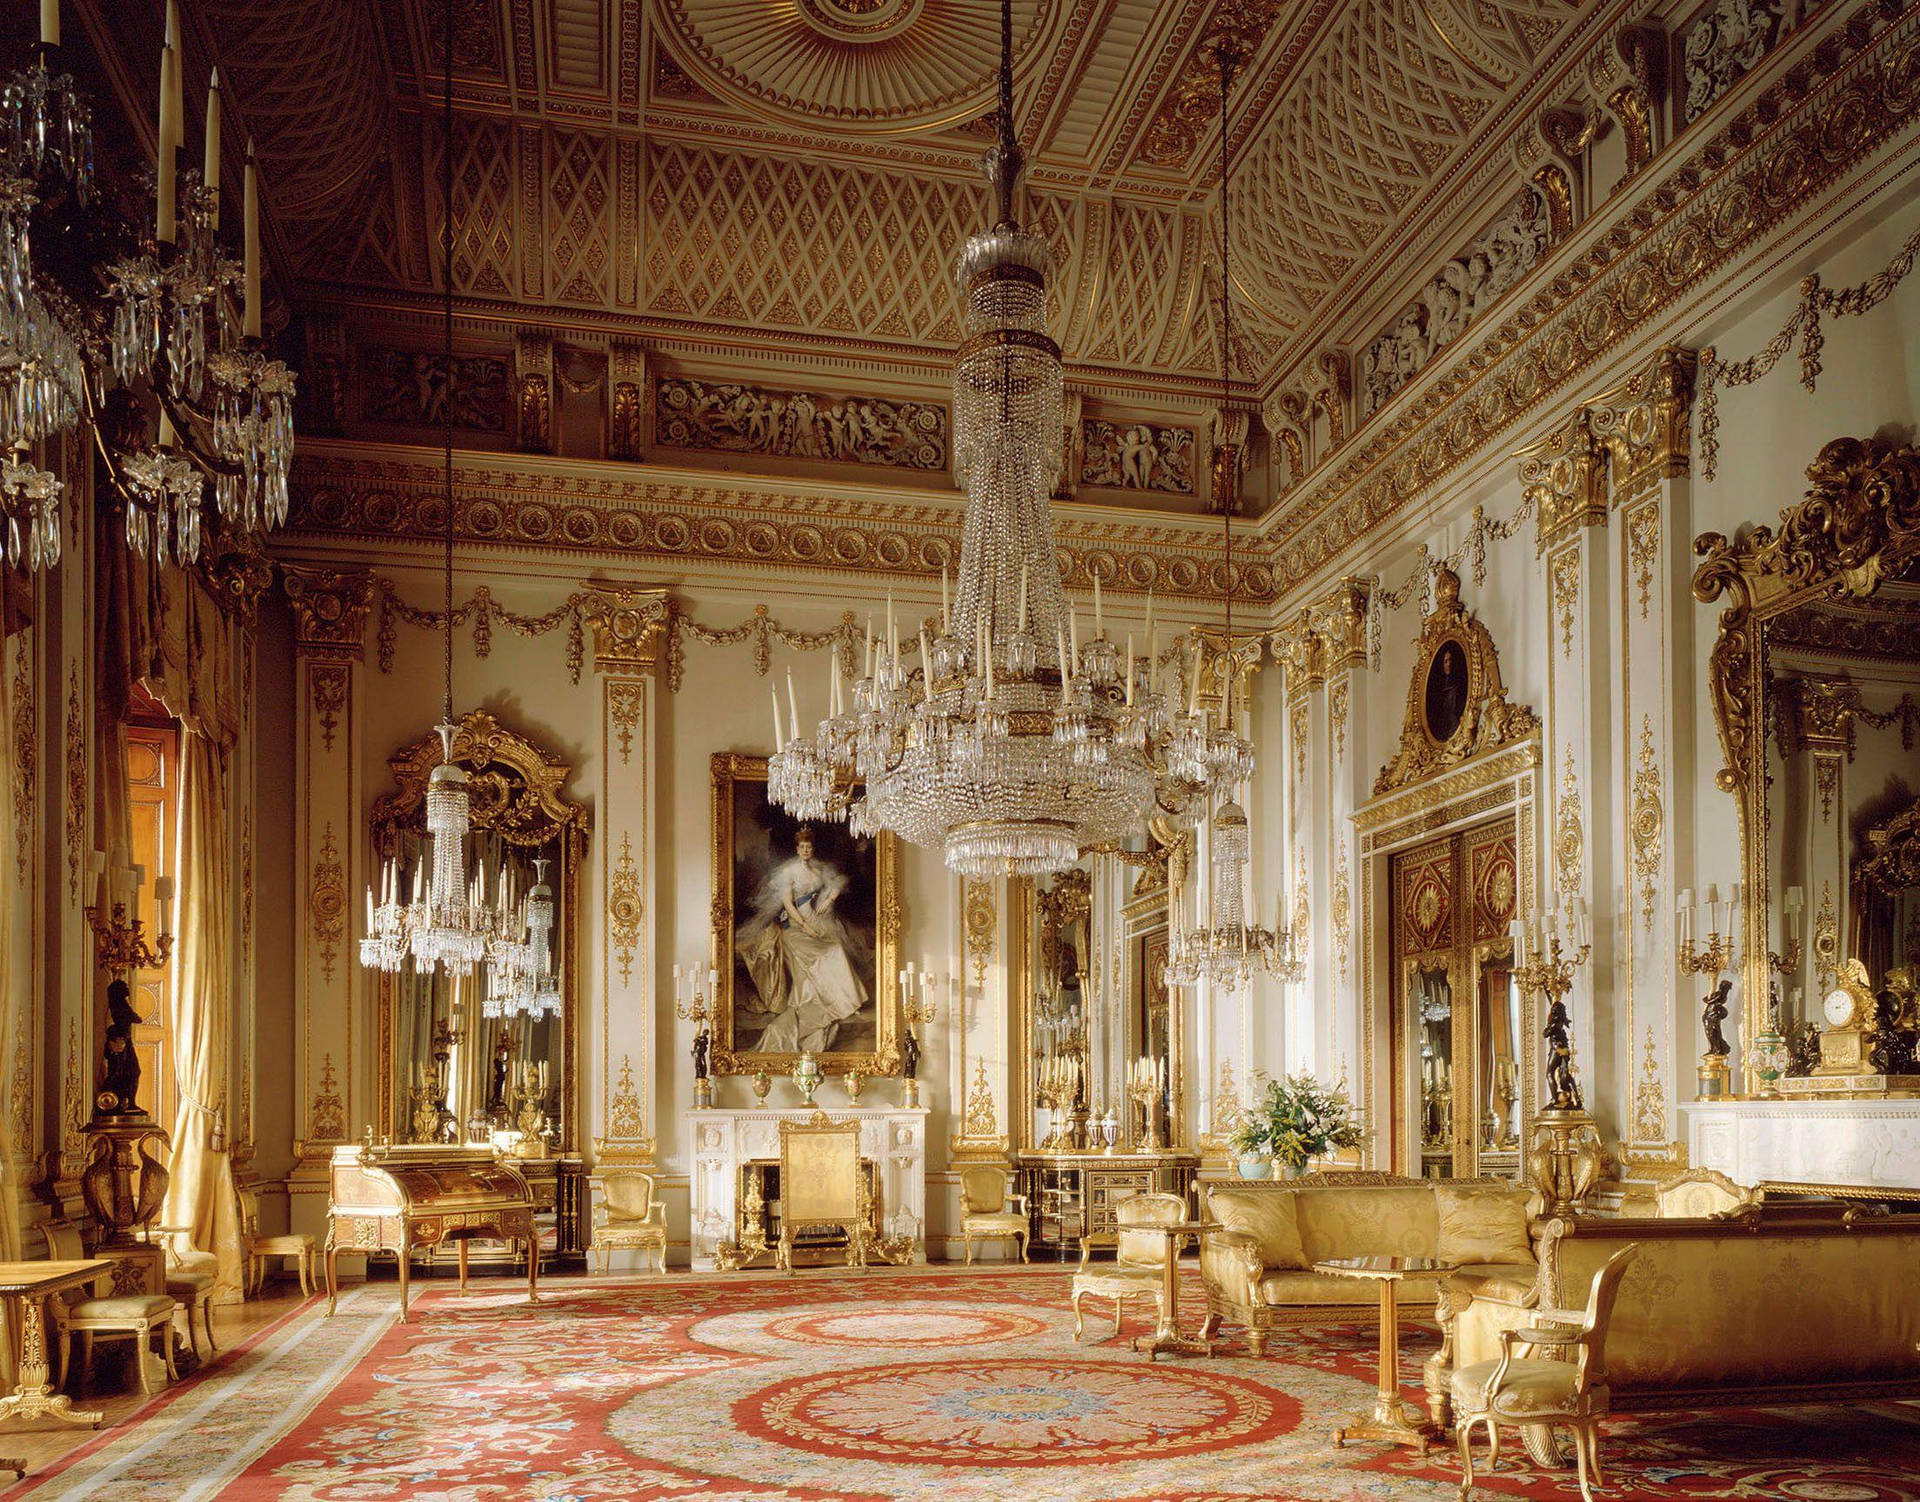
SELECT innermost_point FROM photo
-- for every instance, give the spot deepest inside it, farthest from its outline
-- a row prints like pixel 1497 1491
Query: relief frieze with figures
pixel 730 417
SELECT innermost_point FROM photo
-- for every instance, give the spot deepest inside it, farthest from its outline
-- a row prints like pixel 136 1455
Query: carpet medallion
pixel 899 1386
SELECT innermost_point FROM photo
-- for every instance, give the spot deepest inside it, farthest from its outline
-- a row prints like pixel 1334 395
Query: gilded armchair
pixel 1139 1265
pixel 990 1211
pixel 822 1184
pixel 1528 1391
pixel 628 1213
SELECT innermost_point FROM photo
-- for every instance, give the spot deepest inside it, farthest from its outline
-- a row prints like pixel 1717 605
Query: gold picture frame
pixel 865 912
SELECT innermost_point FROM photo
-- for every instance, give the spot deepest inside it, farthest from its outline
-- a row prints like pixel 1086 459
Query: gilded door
pixel 1455 1015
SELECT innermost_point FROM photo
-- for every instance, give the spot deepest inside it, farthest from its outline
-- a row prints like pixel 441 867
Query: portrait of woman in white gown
pixel 810 967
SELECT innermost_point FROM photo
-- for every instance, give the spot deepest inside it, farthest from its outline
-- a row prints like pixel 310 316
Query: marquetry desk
pixel 28 1285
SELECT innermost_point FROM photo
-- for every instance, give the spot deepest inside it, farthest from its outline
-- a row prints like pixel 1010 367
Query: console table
pixel 1857 1148
pixel 726 1142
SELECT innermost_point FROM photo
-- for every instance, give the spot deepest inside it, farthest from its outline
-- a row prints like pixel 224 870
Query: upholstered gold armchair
pixel 1139 1265
pixel 1532 1390
pixel 629 1213
pixel 991 1211
pixel 191 1273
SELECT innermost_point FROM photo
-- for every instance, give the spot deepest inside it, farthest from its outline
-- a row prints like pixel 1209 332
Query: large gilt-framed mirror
pixel 447 1072
pixel 1098 1038
pixel 1815 683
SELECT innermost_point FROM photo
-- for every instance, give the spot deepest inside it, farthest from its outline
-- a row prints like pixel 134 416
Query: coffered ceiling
pixel 789 182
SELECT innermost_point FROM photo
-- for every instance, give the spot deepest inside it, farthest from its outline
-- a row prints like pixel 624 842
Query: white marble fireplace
pixel 894 1138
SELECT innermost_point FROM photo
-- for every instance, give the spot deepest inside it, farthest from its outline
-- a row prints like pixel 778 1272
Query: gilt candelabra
pixel 1564 1159
pixel 120 943
pixel 698 1004
pixel 917 1009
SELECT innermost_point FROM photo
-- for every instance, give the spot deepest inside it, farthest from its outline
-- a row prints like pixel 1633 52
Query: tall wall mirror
pixel 457 1065
pixel 1098 1041
pixel 1815 677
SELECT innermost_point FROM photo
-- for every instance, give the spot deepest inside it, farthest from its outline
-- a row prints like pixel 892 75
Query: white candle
pixel 165 212
pixel 1129 669
pixel 1073 633
pixel 210 169
pixel 926 667
pixel 250 251
pixel 50 22
pixel 1023 596
pixel 946 609
pixel 1099 616
pixel 778 743
pixel 793 709
pixel 163 903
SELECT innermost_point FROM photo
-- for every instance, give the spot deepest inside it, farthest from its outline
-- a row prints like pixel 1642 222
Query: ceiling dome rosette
pixel 871 65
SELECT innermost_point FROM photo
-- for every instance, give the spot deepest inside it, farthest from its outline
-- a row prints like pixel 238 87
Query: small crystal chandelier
pixel 447 923
pixel 1226 948
pixel 1013 746
pixel 29 514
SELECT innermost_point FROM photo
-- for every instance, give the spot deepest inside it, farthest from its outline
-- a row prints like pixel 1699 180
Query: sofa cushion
pixel 1480 1224
pixel 1371 1220
pixel 1303 1288
pixel 1268 1216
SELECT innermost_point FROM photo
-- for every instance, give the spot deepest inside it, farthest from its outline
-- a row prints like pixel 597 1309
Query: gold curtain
pixel 201 1194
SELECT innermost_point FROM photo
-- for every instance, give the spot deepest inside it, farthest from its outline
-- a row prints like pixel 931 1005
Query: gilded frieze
pixel 1763 166
pixel 733 418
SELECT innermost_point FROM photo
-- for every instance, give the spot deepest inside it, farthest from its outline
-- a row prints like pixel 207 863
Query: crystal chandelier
pixel 29 514
pixel 1013 746
pixel 180 318
pixel 1226 948
pixel 521 981
pixel 446 923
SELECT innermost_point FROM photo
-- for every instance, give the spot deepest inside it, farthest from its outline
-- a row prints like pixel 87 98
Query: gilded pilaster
pixel 332 1081
pixel 629 626
pixel 1643 425
pixel 1565 477
pixel 979 1080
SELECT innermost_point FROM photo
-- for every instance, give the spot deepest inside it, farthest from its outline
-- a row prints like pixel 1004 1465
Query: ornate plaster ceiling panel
pixel 891 65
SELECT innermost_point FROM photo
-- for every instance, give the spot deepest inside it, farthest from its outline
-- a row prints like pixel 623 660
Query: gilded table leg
pixel 406 1270
pixel 333 1274
pixel 34 1397
pixel 1166 1336
pixel 1390 1420
pixel 533 1265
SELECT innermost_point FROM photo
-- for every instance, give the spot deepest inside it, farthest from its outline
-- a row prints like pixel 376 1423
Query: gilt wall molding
pixel 593 509
pixel 1851 94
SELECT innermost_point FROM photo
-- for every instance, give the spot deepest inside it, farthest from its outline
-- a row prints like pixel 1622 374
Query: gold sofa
pixel 1770 1303
pixel 1257 1262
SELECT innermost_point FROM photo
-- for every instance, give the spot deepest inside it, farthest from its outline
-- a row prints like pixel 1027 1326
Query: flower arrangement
pixel 1296 1120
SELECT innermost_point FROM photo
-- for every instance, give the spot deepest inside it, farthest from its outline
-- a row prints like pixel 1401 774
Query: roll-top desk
pixel 1072 1194
pixel 398 1199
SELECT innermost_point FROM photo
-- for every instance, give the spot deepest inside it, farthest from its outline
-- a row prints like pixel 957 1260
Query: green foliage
pixel 1296 1120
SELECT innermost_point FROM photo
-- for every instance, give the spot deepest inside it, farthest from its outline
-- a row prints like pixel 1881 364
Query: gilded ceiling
pixel 705 173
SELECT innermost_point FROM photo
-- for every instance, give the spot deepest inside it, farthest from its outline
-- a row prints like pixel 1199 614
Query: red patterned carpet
pixel 930 1385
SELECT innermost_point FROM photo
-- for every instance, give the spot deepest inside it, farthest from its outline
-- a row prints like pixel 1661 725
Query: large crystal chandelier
pixel 180 319
pixel 1014 746
pixel 1226 948
pixel 444 922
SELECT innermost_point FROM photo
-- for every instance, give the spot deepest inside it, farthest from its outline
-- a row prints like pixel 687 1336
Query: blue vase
pixel 1254 1166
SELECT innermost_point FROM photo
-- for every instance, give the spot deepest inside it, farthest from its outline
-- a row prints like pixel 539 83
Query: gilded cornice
pixel 1850 95
pixel 1326 635
pixel 1565 476
pixel 535 503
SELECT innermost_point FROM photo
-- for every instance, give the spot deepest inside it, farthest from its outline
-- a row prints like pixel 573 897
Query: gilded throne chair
pixel 990 1210
pixel 822 1185
pixel 629 1213
pixel 1139 1266
pixel 1569 1387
